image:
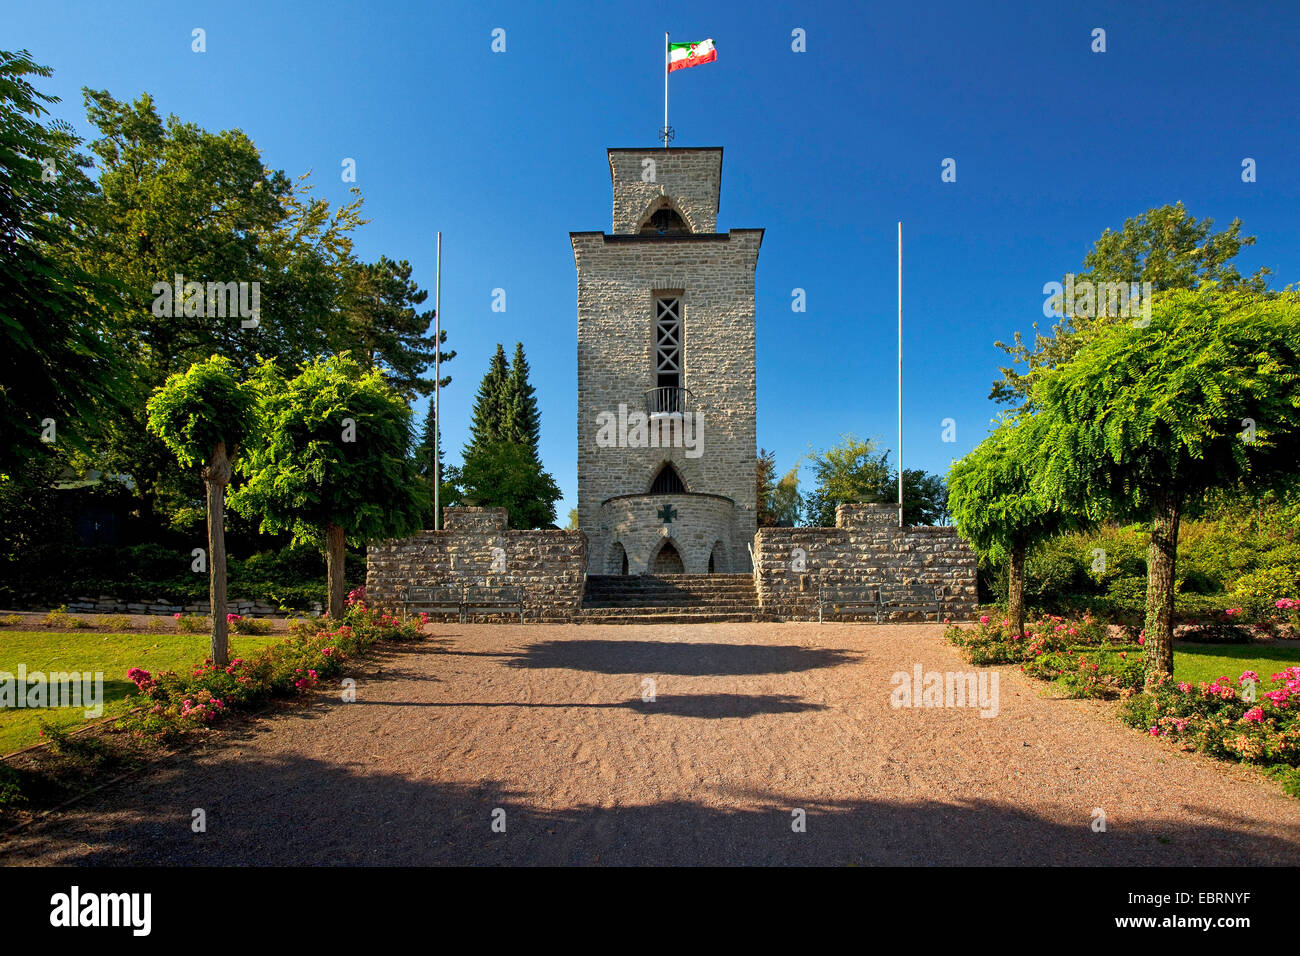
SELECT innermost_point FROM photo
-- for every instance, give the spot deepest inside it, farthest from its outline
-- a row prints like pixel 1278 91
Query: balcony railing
pixel 669 400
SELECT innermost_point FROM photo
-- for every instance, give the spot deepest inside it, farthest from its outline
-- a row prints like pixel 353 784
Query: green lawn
pixel 1206 662
pixel 113 654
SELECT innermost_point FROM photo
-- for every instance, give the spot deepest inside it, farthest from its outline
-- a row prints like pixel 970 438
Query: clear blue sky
pixel 827 149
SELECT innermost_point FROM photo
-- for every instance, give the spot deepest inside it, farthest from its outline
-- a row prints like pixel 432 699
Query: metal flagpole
pixel 437 381
pixel 666 89
pixel 900 374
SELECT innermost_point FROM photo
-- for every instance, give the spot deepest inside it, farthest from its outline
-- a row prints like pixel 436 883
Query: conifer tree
pixel 487 423
pixel 522 422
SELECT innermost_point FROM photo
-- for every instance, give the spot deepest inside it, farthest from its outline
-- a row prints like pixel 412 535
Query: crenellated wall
pixel 477 548
pixel 866 547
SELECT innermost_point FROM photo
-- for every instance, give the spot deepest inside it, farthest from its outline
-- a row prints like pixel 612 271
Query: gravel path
pixel 750 723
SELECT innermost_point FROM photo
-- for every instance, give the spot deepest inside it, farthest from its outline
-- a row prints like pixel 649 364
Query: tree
pixel 59 375
pixel 572 524
pixel 522 422
pixel 505 474
pixel 996 507
pixel 333 464
pixel 1149 421
pixel 787 504
pixel 765 487
pixel 177 200
pixel 384 328
pixel 502 467
pixel 487 422
pixel 853 471
pixel 925 497
pixel 1164 246
pixel 203 416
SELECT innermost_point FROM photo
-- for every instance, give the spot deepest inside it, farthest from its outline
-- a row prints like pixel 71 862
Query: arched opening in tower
pixel 618 559
pixel 668 560
pixel 665 221
pixel 668 481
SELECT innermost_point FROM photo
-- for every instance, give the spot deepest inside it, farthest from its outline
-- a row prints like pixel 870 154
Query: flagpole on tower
pixel 900 374
pixel 664 133
pixel 437 376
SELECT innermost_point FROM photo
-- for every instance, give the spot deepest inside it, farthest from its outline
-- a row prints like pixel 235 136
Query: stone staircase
pixel 670 599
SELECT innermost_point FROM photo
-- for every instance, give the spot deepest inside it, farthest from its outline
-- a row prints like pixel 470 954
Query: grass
pixel 1206 662
pixel 111 654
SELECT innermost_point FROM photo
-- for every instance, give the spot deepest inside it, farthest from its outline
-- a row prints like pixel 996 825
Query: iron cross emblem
pixel 668 513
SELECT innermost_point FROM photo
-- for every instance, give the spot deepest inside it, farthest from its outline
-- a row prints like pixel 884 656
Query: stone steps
pixel 670 599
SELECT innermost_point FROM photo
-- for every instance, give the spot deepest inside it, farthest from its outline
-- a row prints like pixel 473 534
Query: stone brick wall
pixel 619 277
pixel 691 178
pixel 548 565
pixel 865 547
pixel 701 524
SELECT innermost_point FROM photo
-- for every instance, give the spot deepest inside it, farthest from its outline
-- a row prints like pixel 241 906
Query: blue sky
pixel 826 149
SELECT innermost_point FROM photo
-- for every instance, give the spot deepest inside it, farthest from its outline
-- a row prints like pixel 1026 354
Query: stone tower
pixel 666 399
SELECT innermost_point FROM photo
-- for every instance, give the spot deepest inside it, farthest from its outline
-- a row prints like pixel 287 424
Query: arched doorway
pixel 668 560
pixel 718 563
pixel 617 559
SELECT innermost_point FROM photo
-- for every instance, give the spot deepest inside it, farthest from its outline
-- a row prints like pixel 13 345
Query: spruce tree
pixel 488 422
pixel 522 419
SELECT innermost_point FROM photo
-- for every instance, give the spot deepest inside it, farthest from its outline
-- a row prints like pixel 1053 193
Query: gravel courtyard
pixel 750 722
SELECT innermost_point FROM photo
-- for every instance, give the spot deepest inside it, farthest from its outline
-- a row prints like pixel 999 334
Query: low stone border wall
pixel 477 548
pixel 865 547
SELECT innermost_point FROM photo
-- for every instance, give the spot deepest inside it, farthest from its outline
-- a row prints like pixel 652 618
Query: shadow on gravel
pixel 671 657
pixel 308 813
pixel 672 705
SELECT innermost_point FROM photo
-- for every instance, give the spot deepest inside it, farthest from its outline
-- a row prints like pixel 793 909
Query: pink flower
pixel 1247 676
pixel 984 619
pixel 1254 715
pixel 1185 687
pixel 1155 731
pixel 1142 639
pixel 177 616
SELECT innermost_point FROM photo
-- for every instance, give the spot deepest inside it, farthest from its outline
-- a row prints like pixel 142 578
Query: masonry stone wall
pixel 701 527
pixel 619 277
pixel 690 178
pixel 477 548
pixel 866 547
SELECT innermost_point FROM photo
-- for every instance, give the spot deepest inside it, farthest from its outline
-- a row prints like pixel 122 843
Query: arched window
pixel 665 221
pixel 667 482
pixel 668 560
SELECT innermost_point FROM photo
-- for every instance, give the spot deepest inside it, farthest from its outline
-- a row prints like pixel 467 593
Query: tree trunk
pixel 335 555
pixel 1162 555
pixel 1016 590
pixel 216 475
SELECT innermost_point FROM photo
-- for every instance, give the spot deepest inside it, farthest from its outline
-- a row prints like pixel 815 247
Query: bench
pixel 437 599
pixel 914 597
pixel 493 598
pixel 904 597
pixel 842 597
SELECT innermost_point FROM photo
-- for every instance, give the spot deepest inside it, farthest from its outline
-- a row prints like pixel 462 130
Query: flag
pixel 682 55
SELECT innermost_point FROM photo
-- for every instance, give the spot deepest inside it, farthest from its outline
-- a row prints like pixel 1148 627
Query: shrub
pixel 192 623
pixel 10 620
pixel 248 625
pixel 116 622
pixel 155 625
pixel 1250 720
pixel 60 617
pixel 175 703
pixel 1259 591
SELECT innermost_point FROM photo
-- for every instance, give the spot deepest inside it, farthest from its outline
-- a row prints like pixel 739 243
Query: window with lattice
pixel 668 342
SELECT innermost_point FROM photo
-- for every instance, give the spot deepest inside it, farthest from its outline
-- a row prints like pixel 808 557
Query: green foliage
pixel 991 493
pixel 787 503
pixel 384 327
pixel 333 451
pixel 1164 246
pixel 853 471
pixel 488 420
pixel 507 475
pixel 194 411
pixel 57 363
pixel 1258 591
pixel 1144 414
